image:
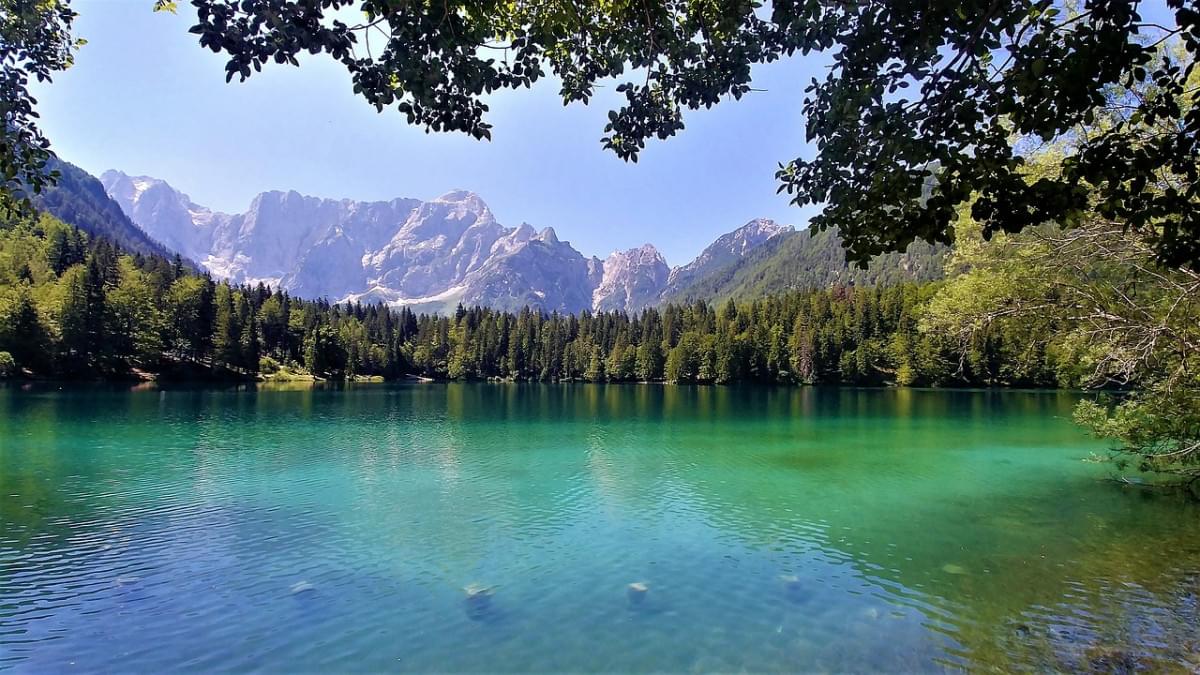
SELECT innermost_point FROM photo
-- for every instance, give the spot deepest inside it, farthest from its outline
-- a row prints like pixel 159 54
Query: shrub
pixel 8 365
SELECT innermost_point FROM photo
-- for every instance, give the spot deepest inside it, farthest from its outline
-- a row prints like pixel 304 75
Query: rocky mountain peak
pixel 632 279
pixel 162 212
pixel 430 254
pixel 750 235
pixel 459 195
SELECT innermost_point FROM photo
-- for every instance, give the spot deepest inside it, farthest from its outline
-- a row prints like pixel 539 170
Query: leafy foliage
pixel 35 42
pixel 1158 428
pixel 892 167
pixel 1090 303
pixel 989 75
pixel 927 106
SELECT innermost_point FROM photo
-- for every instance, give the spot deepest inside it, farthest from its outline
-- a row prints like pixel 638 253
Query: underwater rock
pixel 951 568
pixel 1110 660
pixel 478 599
pixel 636 592
pixel 794 588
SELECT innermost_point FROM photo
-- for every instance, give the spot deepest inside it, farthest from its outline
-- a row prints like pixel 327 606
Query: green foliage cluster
pixel 35 43
pixel 1158 430
pixel 1091 304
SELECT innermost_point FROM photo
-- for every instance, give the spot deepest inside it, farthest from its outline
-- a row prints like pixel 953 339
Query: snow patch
pixel 394 299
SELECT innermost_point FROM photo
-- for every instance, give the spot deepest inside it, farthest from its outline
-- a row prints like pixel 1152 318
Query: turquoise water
pixel 773 529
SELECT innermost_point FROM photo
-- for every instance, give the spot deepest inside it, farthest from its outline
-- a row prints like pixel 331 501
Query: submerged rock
pixel 951 568
pixel 794 588
pixel 636 592
pixel 478 599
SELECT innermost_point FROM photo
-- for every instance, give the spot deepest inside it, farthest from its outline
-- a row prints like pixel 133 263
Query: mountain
pixel 78 199
pixel 792 260
pixel 428 254
pixel 632 280
pixel 727 250
pixel 432 255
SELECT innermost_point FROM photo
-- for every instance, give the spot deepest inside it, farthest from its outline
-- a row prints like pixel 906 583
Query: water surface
pixel 775 530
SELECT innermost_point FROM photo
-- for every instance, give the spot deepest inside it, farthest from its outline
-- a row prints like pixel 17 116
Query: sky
pixel 144 98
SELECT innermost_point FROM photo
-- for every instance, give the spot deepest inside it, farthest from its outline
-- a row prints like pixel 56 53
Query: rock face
pixel 632 279
pixel 428 254
pixel 162 212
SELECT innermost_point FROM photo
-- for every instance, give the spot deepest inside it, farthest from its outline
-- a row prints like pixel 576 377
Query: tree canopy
pixel 35 42
pixel 928 105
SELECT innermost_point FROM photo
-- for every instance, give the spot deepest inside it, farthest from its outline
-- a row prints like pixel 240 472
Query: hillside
pixel 79 199
pixel 804 260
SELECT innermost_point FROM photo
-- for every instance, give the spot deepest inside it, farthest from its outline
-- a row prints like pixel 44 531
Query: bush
pixel 8 365
pixel 268 365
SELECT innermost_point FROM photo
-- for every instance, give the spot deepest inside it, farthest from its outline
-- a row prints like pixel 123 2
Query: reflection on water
pixel 589 527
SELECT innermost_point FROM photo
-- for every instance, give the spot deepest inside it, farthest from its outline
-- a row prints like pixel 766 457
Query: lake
pixel 597 528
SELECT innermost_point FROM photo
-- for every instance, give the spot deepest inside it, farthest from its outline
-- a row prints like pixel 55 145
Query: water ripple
pixel 616 530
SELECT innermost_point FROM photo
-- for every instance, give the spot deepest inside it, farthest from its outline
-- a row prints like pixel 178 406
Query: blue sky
pixel 143 97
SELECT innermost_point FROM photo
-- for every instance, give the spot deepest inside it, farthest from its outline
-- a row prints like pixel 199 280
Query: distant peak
pixel 643 252
pixel 128 189
pixel 116 175
pixel 548 235
pixel 458 196
pixel 765 225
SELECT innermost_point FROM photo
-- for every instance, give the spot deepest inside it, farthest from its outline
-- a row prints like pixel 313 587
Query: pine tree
pixel 595 367
pixel 248 344
pixel 58 250
pixel 226 331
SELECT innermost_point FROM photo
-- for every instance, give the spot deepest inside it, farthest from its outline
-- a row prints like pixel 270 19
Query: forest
pixel 75 306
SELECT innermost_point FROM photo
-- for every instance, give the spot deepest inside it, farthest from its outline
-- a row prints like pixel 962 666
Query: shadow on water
pixel 788 529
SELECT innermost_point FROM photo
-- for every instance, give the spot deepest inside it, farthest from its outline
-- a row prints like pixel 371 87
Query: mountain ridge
pixel 430 255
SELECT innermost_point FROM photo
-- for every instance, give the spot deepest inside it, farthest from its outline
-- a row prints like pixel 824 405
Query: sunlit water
pixel 774 530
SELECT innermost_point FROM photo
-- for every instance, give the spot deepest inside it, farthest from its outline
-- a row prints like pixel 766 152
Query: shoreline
pixel 315 382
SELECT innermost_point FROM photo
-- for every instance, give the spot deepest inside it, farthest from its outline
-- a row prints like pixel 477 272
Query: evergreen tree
pixel 248 343
pixel 226 331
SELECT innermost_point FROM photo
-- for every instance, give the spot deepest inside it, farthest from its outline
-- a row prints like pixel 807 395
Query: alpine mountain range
pixel 429 255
